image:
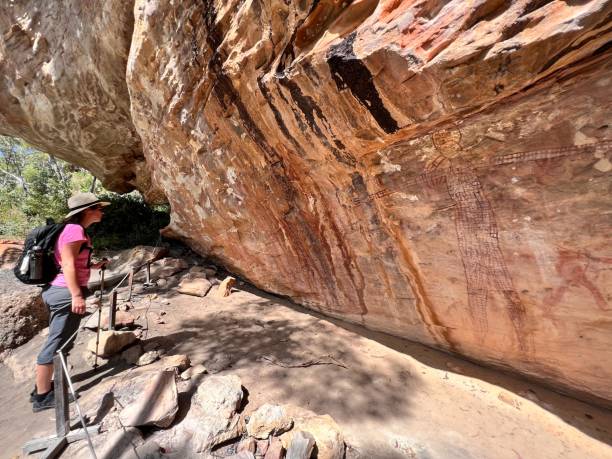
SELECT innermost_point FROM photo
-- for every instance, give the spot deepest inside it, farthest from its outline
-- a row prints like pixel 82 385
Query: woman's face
pixel 93 214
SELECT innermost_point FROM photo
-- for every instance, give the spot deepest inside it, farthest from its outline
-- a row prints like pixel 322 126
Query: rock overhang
pixel 296 144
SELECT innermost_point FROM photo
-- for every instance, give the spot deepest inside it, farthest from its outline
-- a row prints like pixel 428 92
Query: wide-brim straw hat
pixel 81 201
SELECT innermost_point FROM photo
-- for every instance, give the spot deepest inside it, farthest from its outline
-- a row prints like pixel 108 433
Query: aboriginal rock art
pixel 477 235
pixel 572 266
pixel 540 157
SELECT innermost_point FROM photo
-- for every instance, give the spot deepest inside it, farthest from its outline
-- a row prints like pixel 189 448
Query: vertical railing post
pixel 62 416
pixel 131 284
pixel 112 310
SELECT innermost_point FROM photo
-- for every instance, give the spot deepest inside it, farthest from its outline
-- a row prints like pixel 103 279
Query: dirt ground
pixel 392 398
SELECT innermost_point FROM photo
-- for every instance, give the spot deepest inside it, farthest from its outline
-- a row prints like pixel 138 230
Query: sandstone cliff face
pixel 436 170
pixel 62 84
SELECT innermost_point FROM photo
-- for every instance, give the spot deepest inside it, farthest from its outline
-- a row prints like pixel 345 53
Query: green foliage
pixel 35 186
pixel 127 222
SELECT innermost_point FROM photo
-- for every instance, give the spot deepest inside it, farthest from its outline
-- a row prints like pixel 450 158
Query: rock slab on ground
pixel 276 450
pixel 301 446
pixel 180 362
pixel 148 358
pixel 269 420
pixel 193 371
pixel 194 284
pixel 111 342
pixel 157 405
pixel 212 418
pixel 326 433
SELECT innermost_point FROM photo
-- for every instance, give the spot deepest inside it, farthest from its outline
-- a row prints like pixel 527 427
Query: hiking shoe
pixel 43 402
pixel 33 394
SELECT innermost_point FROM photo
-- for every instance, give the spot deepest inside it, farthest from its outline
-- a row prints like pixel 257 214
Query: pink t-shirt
pixel 73 233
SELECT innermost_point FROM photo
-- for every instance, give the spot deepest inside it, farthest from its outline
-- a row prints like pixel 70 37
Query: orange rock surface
pixel 436 170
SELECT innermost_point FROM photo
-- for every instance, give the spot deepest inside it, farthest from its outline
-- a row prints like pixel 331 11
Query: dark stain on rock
pixel 223 88
pixel 306 240
pixel 296 115
pixel 288 54
pixel 277 116
pixel 350 72
pixel 309 108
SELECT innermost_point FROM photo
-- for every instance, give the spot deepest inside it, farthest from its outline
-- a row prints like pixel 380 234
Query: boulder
pixel 111 342
pixel 248 444
pixel 132 354
pixel 10 251
pixel 276 450
pixel 219 362
pixel 90 358
pixel 167 267
pixel 268 420
pixel 156 344
pixel 225 287
pixel 22 311
pixel 180 362
pixel 157 404
pixel 122 319
pixel 220 395
pixel 148 358
pixel 211 419
pixel 161 282
pixel 211 271
pixel 195 284
pixel 219 398
pixel 326 433
pixel 301 446
pixel 193 371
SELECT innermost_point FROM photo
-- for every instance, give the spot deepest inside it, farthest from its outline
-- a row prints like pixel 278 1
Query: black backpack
pixel 36 265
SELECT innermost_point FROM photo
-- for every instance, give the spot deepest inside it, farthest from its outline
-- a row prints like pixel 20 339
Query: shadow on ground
pixel 315 370
pixel 593 419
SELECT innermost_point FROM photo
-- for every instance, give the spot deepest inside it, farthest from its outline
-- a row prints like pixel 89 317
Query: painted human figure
pixel 483 262
pixel 572 267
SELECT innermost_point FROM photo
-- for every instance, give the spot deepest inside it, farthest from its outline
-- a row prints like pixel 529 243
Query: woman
pixel 65 295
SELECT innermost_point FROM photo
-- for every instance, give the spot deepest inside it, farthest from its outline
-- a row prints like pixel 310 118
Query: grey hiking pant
pixel 63 323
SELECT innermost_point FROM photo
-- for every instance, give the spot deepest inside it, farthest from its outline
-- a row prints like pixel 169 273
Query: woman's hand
pixel 78 305
pixel 100 264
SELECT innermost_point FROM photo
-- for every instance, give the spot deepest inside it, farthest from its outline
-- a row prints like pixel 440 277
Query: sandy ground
pixel 392 398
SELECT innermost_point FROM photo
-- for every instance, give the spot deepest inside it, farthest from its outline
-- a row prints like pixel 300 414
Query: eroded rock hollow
pixel 438 170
